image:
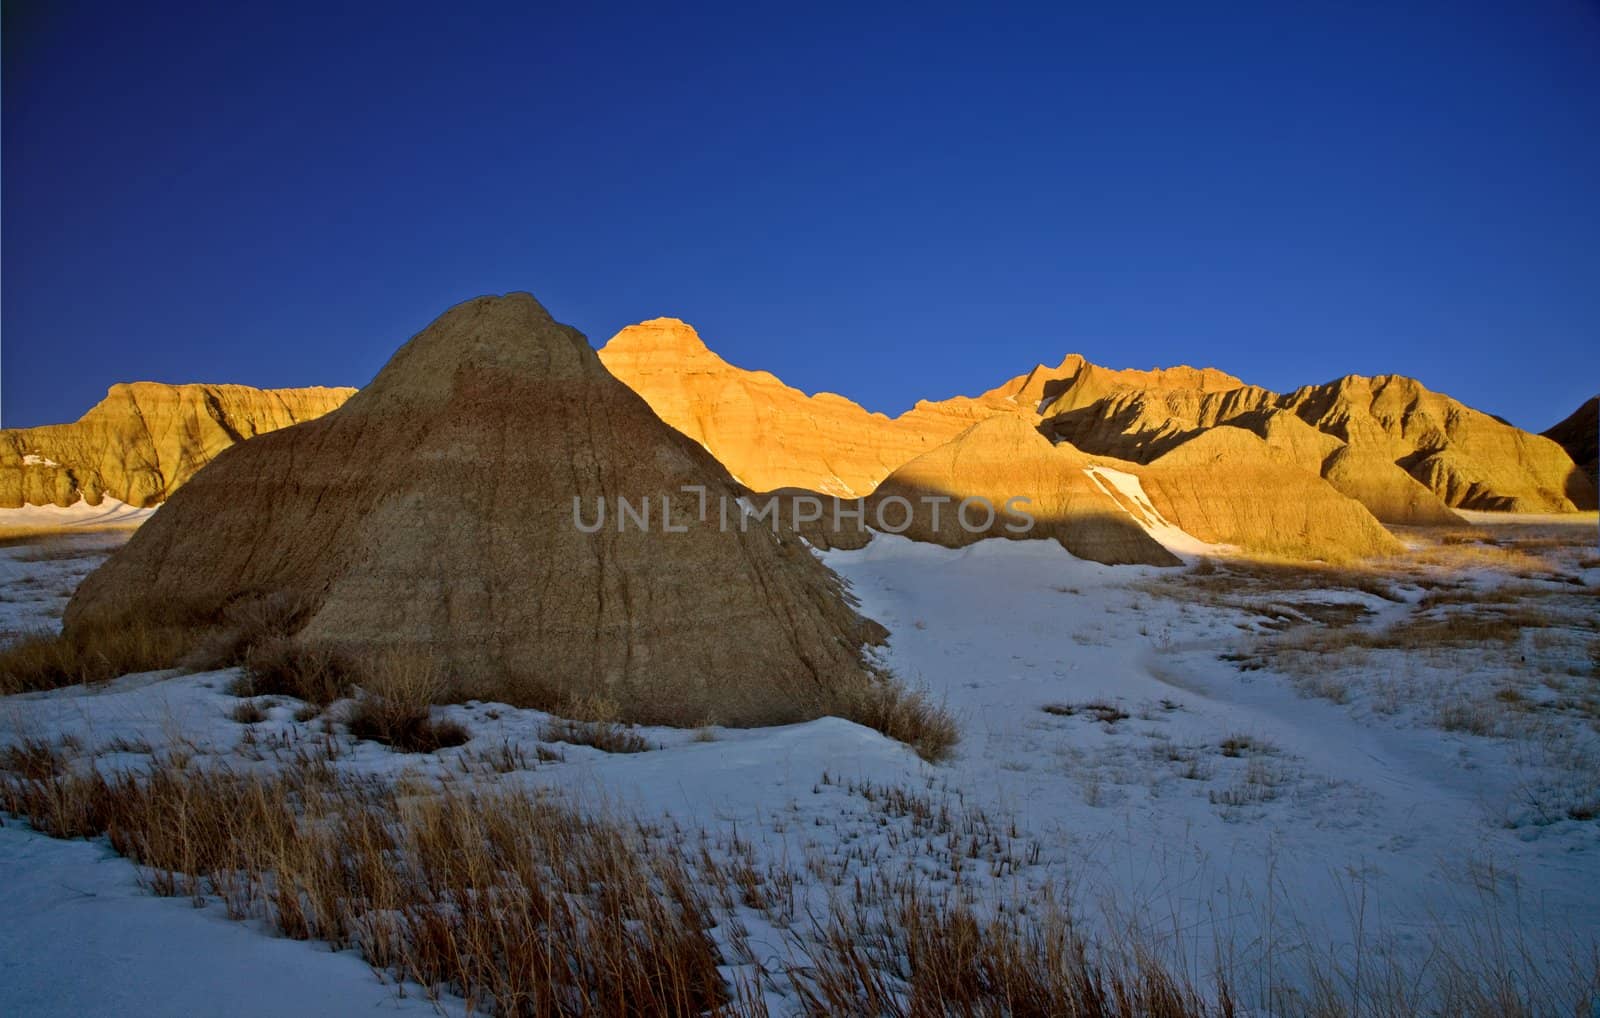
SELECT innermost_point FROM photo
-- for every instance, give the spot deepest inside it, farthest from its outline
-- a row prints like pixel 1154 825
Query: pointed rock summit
pixel 769 435
pixel 1410 456
pixel 434 511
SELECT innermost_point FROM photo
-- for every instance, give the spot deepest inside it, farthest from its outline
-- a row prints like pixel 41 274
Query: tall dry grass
pixel 519 904
pixel 48 661
pixel 508 900
pixel 398 691
pixel 884 703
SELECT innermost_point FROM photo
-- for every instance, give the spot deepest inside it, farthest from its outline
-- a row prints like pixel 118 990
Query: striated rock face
pixel 1003 457
pixel 1577 435
pixel 144 440
pixel 1465 458
pixel 1406 454
pixel 434 512
pixel 767 434
pixel 1229 486
pixel 1469 459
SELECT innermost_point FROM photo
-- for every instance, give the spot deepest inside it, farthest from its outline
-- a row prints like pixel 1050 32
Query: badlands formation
pixel 1579 434
pixel 145 440
pixel 438 503
pixel 1313 473
pixel 1107 457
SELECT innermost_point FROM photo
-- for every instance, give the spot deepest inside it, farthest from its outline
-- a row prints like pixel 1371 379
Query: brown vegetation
pixel 520 905
pixel 883 703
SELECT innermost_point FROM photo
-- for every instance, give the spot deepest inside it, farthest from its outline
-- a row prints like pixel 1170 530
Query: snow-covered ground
pixel 110 512
pixel 1234 760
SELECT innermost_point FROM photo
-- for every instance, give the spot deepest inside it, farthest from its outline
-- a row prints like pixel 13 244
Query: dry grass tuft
pixel 1105 713
pixel 281 666
pixel 248 712
pixel 395 708
pixel 908 715
pixel 48 661
pixel 606 736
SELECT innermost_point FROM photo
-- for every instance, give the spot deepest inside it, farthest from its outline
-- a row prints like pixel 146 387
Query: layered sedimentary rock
pixel 1406 453
pixel 1229 486
pixel 144 440
pixel 1000 459
pixel 1467 459
pixel 434 512
pixel 1577 435
pixel 766 433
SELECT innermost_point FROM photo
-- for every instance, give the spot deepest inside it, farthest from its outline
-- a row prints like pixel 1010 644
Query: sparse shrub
pixel 595 707
pixel 881 702
pixel 248 712
pixel 1239 745
pixel 282 666
pixel 1474 718
pixel 608 737
pixel 565 914
pixel 395 707
pixel 1324 686
pixel 247 623
pixel 406 728
pixel 1106 713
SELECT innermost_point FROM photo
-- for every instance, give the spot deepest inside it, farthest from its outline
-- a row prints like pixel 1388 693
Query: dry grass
pixel 606 736
pixel 1099 710
pixel 281 666
pixel 47 661
pixel 520 905
pixel 910 716
pixel 248 712
pixel 932 956
pixel 508 900
pixel 398 692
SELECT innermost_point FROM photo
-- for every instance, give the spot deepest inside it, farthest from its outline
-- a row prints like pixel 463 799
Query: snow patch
pixel 1137 504
pixel 79 514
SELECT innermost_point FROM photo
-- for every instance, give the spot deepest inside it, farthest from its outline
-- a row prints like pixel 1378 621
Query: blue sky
pixel 906 203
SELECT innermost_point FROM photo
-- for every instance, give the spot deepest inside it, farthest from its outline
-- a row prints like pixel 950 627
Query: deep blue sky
pixel 891 205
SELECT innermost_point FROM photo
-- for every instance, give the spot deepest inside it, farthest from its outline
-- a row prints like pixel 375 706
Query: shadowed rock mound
pixel 434 512
pixel 1001 458
pixel 1228 486
pixel 144 440
pixel 1577 435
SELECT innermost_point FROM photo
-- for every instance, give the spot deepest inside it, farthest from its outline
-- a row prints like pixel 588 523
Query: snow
pixel 110 511
pixel 79 936
pixel 1144 512
pixel 35 460
pixel 37 576
pixel 1102 708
